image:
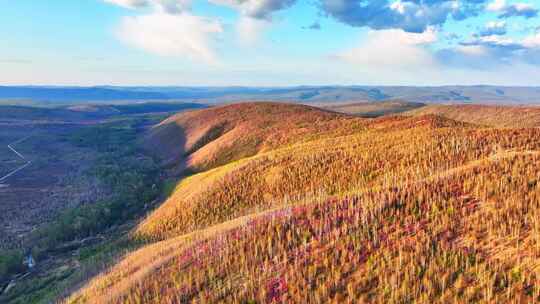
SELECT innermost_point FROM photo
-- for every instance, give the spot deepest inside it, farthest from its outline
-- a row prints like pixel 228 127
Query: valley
pixel 60 175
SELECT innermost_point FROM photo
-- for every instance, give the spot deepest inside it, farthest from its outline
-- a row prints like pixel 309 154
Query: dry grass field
pixel 217 136
pixel 332 208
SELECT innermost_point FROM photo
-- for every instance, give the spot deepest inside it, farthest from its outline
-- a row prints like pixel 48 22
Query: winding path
pixel 28 162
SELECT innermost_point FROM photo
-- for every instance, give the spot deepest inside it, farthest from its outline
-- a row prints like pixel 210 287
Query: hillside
pixel 395 209
pixel 375 109
pixel 216 136
pixel 495 116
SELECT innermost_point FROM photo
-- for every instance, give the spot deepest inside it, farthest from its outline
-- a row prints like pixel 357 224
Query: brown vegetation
pixel 216 136
pixel 375 108
pixel 494 116
pixel 397 209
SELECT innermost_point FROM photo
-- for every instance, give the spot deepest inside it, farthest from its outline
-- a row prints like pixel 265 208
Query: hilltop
pixel 377 108
pixel 394 209
pixel 489 115
pixel 211 137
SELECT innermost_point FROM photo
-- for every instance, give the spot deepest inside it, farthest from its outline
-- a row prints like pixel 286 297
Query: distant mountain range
pixel 303 94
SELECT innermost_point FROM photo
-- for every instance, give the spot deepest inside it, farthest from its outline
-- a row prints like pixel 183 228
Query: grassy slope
pixel 496 116
pixel 452 206
pixel 328 166
pixel 216 136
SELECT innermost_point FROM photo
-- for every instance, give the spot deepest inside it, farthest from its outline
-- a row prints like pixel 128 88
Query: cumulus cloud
pixel 179 35
pixel 411 15
pixel 512 10
pixel 494 28
pixel 532 41
pixel 395 51
pixel 392 49
pixel 256 9
pixel 172 6
pixel 256 16
pixel 129 3
pixel 169 30
pixel 249 29
pixel 499 47
pixel 168 6
pixel 490 52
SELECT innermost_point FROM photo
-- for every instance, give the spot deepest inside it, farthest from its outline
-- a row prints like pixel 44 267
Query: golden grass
pixel 407 225
pixel 400 210
pixel 385 153
pixel 216 136
pixel 375 108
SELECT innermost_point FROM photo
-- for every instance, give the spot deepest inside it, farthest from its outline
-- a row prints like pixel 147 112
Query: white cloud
pixel 494 28
pixel 257 9
pixel 389 49
pixel 172 6
pixel 170 30
pixel 166 6
pixel 255 16
pixel 495 24
pixel 511 10
pixel 472 50
pixel 129 3
pixel 497 40
pixel 496 6
pixel 410 15
pixel 181 35
pixel 398 57
pixel 250 30
pixel 532 41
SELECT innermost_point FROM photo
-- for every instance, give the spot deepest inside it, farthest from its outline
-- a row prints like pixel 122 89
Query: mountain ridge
pixel 301 94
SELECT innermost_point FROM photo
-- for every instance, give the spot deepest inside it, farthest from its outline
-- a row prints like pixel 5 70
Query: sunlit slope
pixel 388 151
pixel 495 116
pixel 383 152
pixel 466 235
pixel 419 209
pixel 212 137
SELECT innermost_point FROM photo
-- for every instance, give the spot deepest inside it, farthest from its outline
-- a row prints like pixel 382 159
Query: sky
pixel 270 42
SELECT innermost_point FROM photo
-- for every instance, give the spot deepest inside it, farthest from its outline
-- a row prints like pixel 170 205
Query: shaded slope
pixel 495 116
pixel 216 136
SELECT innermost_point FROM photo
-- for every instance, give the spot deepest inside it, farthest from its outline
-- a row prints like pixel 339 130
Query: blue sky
pixel 270 42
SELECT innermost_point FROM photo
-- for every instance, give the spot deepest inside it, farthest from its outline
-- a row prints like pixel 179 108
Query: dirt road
pixel 27 162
